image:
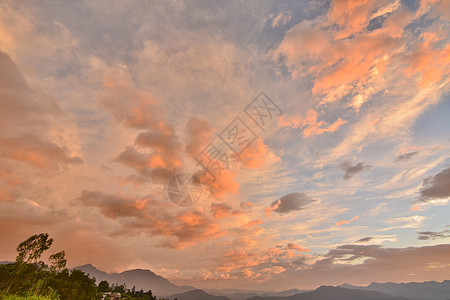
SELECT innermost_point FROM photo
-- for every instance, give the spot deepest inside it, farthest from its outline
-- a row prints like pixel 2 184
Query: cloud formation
pixel 289 203
pixel 351 170
pixel 364 240
pixel 163 149
pixel 108 106
pixel 149 216
pixel 200 132
pixel 339 223
pixel 437 186
pixel 406 156
pixel 310 125
pixel 26 117
pixel 432 235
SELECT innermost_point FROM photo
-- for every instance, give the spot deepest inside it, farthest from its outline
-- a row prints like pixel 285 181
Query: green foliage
pixel 29 279
pixel 126 293
pixel 15 297
pixel 103 286
pixel 31 249
pixel 58 260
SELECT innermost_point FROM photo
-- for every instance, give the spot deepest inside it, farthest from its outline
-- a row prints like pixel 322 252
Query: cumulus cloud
pixel 26 117
pixel 36 151
pixel 218 186
pixel 34 142
pixel 257 264
pixel 292 246
pixel 200 132
pixel 222 210
pixel 437 186
pixel 254 156
pixel 289 203
pixel 163 149
pixel 351 170
pixel 149 216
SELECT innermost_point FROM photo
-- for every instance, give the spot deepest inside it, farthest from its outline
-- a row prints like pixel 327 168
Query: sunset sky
pixel 346 105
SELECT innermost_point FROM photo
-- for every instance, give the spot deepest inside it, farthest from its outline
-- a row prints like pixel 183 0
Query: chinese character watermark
pixel 183 190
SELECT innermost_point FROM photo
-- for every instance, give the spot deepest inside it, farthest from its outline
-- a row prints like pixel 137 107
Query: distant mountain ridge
pixel 240 294
pixel 432 290
pixel 160 286
pixel 141 279
pixel 196 295
pixel 333 293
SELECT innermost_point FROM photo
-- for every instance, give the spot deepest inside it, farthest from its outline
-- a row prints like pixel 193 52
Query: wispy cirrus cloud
pixel 432 235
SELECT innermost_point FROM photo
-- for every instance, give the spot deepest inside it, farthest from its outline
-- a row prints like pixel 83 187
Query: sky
pixel 230 144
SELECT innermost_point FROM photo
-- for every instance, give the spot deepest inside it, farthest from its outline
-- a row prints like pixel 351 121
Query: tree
pixel 30 277
pixel 150 295
pixel 58 260
pixel 103 286
pixel 30 250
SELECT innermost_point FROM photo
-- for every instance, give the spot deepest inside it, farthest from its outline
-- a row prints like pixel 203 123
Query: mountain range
pixel 146 279
pixel 413 290
pixel 334 293
pixel 140 279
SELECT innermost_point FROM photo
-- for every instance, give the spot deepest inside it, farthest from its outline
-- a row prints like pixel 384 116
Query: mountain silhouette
pixel 333 293
pixel 240 294
pixel 431 290
pixel 140 279
pixel 196 295
pixel 160 286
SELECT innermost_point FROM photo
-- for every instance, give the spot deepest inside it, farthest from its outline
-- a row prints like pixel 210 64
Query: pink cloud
pixel 339 223
pixel 149 216
pixel 310 125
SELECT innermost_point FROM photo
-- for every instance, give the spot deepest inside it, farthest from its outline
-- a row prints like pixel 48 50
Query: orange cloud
pixel 164 156
pixel 352 16
pixel 429 62
pixel 252 223
pixel 222 184
pixel 355 59
pixel 310 125
pixel 26 117
pixel 253 156
pixel 200 133
pixel 37 152
pixel 339 223
pixel 296 247
pixel 222 210
pixel 147 215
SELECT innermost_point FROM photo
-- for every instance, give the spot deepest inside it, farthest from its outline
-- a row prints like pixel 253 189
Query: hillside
pixel 141 279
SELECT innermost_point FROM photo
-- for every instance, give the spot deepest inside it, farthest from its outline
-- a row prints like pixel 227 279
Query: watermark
pixel 183 190
pixel 236 137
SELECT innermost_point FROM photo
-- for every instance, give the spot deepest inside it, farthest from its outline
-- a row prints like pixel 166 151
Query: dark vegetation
pixel 31 278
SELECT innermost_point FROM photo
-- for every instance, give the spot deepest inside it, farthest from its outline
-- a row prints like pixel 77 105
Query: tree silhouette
pixel 58 260
pixel 30 250
pixel 103 286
